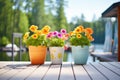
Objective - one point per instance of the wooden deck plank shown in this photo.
(111, 67)
(39, 73)
(115, 64)
(9, 74)
(80, 73)
(4, 70)
(106, 72)
(66, 72)
(53, 73)
(7, 66)
(15, 68)
(93, 73)
(24, 73)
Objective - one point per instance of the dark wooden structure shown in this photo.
(17, 35)
(114, 11)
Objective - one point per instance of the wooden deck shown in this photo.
(66, 71)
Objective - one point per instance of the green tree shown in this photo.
(28, 9)
(50, 18)
(20, 19)
(24, 23)
(61, 21)
(5, 18)
(38, 13)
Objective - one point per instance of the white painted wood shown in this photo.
(53, 73)
(115, 64)
(66, 72)
(39, 72)
(80, 73)
(111, 67)
(4, 70)
(9, 74)
(24, 73)
(106, 72)
(93, 73)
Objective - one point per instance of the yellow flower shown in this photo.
(35, 36)
(26, 35)
(78, 30)
(59, 55)
(78, 36)
(46, 27)
(33, 28)
(38, 32)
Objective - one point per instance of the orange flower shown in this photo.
(90, 38)
(78, 36)
(34, 36)
(82, 28)
(88, 31)
(45, 31)
(33, 28)
(71, 33)
(65, 37)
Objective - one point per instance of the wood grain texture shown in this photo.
(66, 71)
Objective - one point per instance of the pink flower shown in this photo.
(51, 33)
(59, 35)
(48, 36)
(55, 33)
(63, 31)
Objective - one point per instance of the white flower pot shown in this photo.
(80, 54)
(56, 54)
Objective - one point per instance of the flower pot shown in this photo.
(80, 54)
(56, 54)
(37, 54)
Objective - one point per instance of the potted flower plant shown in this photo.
(80, 39)
(56, 41)
(36, 41)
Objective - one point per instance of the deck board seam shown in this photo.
(46, 72)
(110, 69)
(114, 65)
(87, 73)
(32, 72)
(73, 71)
(60, 72)
(99, 71)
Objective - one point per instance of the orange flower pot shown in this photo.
(37, 54)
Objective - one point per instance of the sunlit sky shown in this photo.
(87, 7)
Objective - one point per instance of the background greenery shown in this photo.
(18, 15)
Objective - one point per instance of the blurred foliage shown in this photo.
(18, 15)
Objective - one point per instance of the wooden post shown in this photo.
(17, 35)
(118, 15)
(12, 47)
(20, 46)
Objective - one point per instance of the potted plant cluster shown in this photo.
(80, 39)
(36, 41)
(56, 41)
